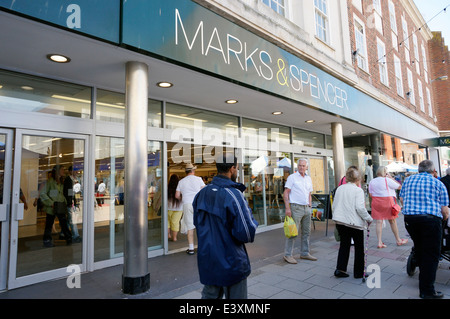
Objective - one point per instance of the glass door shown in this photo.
(47, 232)
(6, 138)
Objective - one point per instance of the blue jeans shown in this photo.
(426, 233)
(302, 217)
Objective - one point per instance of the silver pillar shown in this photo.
(136, 277)
(338, 151)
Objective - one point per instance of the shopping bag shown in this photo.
(290, 229)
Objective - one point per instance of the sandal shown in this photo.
(382, 246)
(404, 241)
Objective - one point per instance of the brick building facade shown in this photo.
(439, 56)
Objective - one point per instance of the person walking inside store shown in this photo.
(68, 190)
(351, 218)
(175, 208)
(297, 199)
(186, 190)
(425, 205)
(54, 205)
(224, 223)
(382, 191)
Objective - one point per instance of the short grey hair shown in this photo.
(426, 166)
(381, 171)
(303, 160)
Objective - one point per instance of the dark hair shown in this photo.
(225, 162)
(171, 189)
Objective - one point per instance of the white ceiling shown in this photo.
(25, 45)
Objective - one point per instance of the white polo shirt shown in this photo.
(301, 187)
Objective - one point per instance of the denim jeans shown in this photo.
(426, 233)
(302, 217)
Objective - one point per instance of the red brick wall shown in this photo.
(440, 56)
(373, 75)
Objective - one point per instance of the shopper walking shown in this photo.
(224, 223)
(382, 191)
(425, 205)
(175, 208)
(297, 199)
(351, 218)
(186, 190)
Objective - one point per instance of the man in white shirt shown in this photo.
(186, 190)
(297, 199)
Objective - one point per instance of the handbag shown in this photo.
(290, 229)
(395, 207)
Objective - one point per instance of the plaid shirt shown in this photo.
(423, 194)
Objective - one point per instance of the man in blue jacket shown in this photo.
(224, 223)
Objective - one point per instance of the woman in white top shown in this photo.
(351, 218)
(382, 192)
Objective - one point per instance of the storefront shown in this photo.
(74, 115)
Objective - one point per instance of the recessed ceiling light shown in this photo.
(353, 133)
(231, 101)
(164, 84)
(310, 121)
(27, 88)
(58, 58)
(277, 113)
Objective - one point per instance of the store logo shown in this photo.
(74, 279)
(253, 60)
(216, 141)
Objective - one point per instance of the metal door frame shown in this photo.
(5, 207)
(17, 212)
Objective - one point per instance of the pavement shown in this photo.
(175, 276)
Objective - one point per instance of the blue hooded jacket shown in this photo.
(224, 222)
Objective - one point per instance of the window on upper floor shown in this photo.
(322, 23)
(398, 75)
(421, 102)
(279, 6)
(377, 14)
(430, 109)
(416, 53)
(361, 47)
(393, 21)
(410, 93)
(382, 62)
(424, 61)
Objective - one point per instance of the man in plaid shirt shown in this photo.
(425, 205)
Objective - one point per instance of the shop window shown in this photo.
(187, 122)
(110, 107)
(24, 93)
(264, 134)
(109, 193)
(308, 139)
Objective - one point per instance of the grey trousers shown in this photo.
(302, 217)
(236, 291)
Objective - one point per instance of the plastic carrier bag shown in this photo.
(290, 229)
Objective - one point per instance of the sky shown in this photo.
(429, 9)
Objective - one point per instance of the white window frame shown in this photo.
(322, 22)
(392, 17)
(361, 55)
(416, 53)
(382, 65)
(405, 33)
(378, 15)
(420, 89)
(277, 6)
(424, 61)
(430, 108)
(412, 98)
(398, 75)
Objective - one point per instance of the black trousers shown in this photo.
(426, 233)
(347, 234)
(50, 219)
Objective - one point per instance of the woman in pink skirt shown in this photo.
(382, 190)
